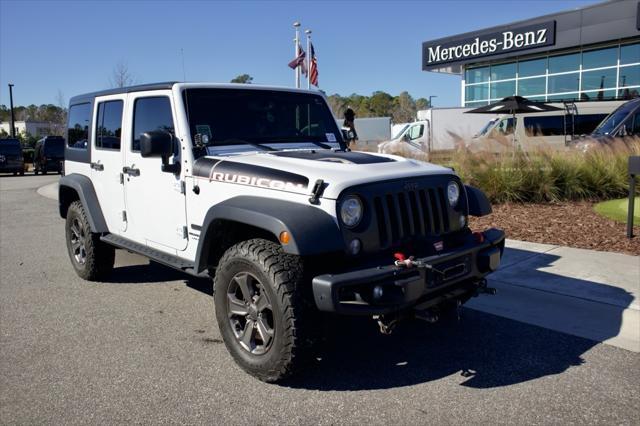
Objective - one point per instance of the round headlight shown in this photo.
(453, 193)
(351, 211)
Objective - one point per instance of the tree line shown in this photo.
(401, 108)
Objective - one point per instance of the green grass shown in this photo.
(617, 210)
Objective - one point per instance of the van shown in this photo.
(11, 158)
(556, 129)
(48, 155)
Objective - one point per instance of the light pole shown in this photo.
(430, 103)
(13, 119)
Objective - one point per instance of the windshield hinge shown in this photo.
(316, 192)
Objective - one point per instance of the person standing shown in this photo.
(349, 119)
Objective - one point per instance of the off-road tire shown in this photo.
(100, 256)
(281, 277)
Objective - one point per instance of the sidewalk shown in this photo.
(585, 293)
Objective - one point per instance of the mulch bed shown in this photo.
(572, 224)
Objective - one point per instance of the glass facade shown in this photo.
(591, 74)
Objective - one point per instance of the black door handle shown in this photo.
(131, 171)
(97, 166)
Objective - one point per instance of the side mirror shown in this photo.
(158, 143)
(406, 137)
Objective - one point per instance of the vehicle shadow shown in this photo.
(482, 350)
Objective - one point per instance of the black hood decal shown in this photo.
(248, 174)
(345, 157)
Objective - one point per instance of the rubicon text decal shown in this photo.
(445, 51)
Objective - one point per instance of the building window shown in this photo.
(503, 71)
(477, 75)
(503, 89)
(600, 58)
(605, 73)
(564, 83)
(599, 79)
(477, 92)
(630, 54)
(532, 67)
(532, 86)
(564, 63)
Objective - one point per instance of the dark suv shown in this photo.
(49, 155)
(11, 159)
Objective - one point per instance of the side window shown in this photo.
(151, 114)
(78, 128)
(109, 125)
(416, 131)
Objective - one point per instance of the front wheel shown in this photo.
(259, 308)
(91, 258)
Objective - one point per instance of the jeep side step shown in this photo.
(169, 260)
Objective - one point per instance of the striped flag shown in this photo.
(298, 61)
(313, 67)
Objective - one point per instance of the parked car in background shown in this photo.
(557, 129)
(623, 122)
(11, 158)
(49, 155)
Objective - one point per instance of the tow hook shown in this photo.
(484, 289)
(386, 325)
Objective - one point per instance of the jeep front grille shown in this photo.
(405, 215)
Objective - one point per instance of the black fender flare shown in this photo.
(82, 186)
(478, 202)
(312, 231)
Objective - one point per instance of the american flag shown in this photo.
(298, 61)
(313, 67)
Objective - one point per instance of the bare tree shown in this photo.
(60, 123)
(121, 76)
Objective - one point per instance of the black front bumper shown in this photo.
(385, 289)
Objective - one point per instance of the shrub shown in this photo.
(547, 175)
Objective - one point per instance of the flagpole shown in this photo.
(296, 42)
(308, 33)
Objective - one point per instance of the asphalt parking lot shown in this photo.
(145, 348)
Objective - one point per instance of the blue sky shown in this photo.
(362, 46)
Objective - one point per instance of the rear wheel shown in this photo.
(91, 258)
(259, 308)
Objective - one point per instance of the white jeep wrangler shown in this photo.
(255, 187)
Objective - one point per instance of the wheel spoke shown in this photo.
(237, 307)
(75, 245)
(262, 302)
(266, 333)
(245, 287)
(247, 334)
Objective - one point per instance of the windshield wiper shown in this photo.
(235, 141)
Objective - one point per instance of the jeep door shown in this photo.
(107, 159)
(155, 200)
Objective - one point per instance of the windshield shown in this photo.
(486, 127)
(10, 148)
(399, 133)
(610, 123)
(54, 147)
(219, 117)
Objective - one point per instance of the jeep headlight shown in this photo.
(351, 211)
(453, 193)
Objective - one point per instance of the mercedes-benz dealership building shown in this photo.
(591, 53)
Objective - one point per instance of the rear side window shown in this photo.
(10, 147)
(109, 126)
(585, 124)
(78, 129)
(550, 125)
(151, 114)
(54, 147)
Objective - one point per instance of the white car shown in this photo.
(255, 187)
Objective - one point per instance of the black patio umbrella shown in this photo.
(514, 105)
